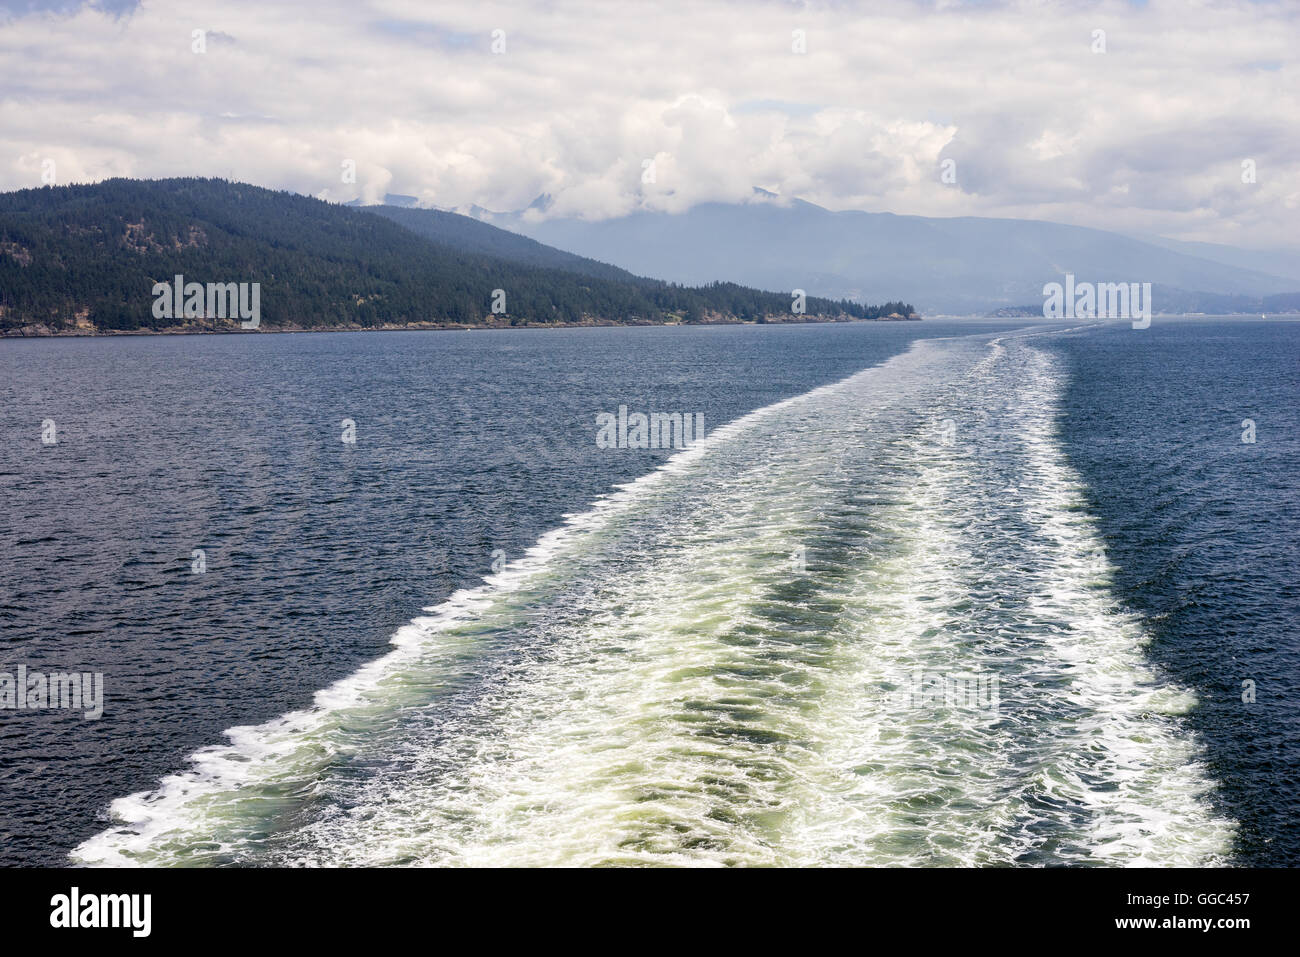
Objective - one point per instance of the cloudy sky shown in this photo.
(573, 97)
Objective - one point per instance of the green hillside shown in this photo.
(93, 254)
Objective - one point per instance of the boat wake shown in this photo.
(746, 657)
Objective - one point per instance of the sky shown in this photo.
(1172, 117)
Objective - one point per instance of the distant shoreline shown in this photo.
(27, 332)
(40, 331)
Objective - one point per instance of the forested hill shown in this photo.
(89, 256)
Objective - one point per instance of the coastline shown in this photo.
(231, 327)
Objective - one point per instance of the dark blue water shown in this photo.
(316, 550)
(470, 445)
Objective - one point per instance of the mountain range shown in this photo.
(964, 265)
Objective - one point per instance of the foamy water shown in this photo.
(709, 667)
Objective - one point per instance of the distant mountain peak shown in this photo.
(390, 199)
(542, 203)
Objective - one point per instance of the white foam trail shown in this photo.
(1156, 807)
(1082, 762)
(656, 682)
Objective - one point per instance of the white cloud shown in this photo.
(1148, 136)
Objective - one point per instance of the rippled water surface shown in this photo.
(706, 658)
